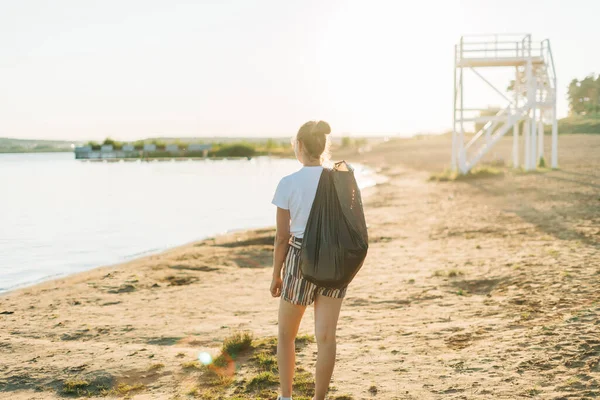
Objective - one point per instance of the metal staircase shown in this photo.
(533, 102)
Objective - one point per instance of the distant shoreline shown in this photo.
(36, 152)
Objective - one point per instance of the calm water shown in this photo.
(59, 216)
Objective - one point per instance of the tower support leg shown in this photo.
(515, 150)
(527, 137)
(540, 140)
(461, 139)
(453, 161)
(532, 147)
(554, 132)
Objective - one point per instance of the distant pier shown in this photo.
(149, 152)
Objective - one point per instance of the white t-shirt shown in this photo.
(296, 192)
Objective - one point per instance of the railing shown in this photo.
(549, 62)
(499, 46)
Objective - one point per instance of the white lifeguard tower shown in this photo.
(533, 102)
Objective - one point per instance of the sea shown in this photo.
(60, 216)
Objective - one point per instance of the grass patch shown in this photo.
(304, 383)
(537, 170)
(305, 339)
(215, 378)
(261, 381)
(533, 391)
(451, 273)
(588, 124)
(572, 381)
(194, 391)
(237, 343)
(192, 365)
(260, 378)
(542, 163)
(267, 344)
(548, 331)
(155, 367)
(92, 385)
(265, 361)
(475, 173)
(75, 386)
(444, 176)
(481, 172)
(232, 347)
(125, 389)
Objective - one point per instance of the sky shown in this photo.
(130, 69)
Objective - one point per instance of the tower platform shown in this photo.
(533, 102)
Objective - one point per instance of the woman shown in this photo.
(294, 197)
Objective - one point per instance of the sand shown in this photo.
(479, 289)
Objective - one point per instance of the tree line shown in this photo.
(240, 148)
(584, 96)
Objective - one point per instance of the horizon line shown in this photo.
(279, 136)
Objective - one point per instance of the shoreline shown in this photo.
(377, 178)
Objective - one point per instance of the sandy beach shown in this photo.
(477, 289)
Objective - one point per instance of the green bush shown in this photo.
(234, 150)
(542, 163)
(115, 144)
(160, 145)
(94, 145)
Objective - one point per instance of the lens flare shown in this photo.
(205, 358)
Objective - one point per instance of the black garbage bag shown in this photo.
(335, 240)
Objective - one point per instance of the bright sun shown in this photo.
(388, 64)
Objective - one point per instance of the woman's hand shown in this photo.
(276, 285)
(281, 246)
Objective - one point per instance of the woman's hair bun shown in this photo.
(322, 127)
(313, 135)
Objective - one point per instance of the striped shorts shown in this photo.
(296, 289)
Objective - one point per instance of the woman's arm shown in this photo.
(282, 237)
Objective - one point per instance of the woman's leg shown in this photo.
(290, 316)
(327, 311)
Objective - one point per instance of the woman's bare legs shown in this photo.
(327, 312)
(290, 316)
